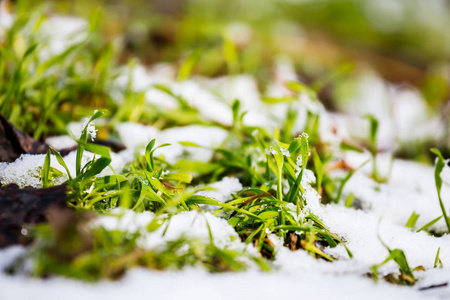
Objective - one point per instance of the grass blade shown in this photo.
(440, 164)
(429, 224)
(61, 161)
(412, 220)
(46, 170)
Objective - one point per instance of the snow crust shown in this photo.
(223, 189)
(26, 171)
(190, 225)
(196, 284)
(61, 142)
(137, 136)
(411, 188)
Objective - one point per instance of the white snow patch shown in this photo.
(222, 189)
(411, 188)
(197, 284)
(209, 105)
(61, 32)
(191, 225)
(134, 135)
(6, 18)
(27, 169)
(137, 136)
(125, 220)
(361, 230)
(207, 137)
(61, 142)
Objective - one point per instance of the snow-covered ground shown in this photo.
(197, 284)
(385, 207)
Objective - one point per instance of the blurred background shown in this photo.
(331, 44)
(403, 40)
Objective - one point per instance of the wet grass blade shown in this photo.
(99, 164)
(429, 224)
(189, 64)
(437, 260)
(61, 161)
(83, 141)
(46, 170)
(412, 220)
(318, 166)
(346, 179)
(440, 164)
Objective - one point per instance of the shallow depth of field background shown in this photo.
(330, 42)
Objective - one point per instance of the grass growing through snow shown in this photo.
(277, 170)
(440, 164)
(274, 202)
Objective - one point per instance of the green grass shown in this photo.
(255, 212)
(440, 164)
(42, 97)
